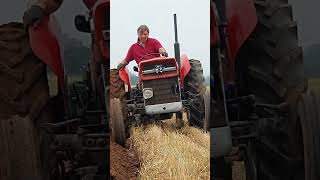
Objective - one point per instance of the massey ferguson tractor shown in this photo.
(262, 111)
(165, 86)
(63, 137)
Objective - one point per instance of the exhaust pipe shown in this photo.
(176, 43)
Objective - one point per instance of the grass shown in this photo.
(169, 153)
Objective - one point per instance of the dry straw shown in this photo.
(169, 153)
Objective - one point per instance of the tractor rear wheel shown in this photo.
(118, 129)
(194, 83)
(24, 96)
(270, 66)
(118, 111)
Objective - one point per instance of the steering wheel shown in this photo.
(151, 54)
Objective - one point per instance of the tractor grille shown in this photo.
(153, 69)
(165, 90)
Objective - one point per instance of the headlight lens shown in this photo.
(147, 93)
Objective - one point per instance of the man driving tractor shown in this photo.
(144, 47)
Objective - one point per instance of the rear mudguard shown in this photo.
(185, 68)
(241, 20)
(101, 20)
(46, 43)
(124, 76)
(214, 37)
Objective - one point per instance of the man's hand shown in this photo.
(120, 66)
(33, 14)
(163, 52)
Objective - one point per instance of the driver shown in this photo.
(142, 47)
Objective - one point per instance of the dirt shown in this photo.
(124, 164)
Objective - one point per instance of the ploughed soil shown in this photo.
(124, 164)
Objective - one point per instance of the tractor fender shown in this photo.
(124, 76)
(185, 66)
(46, 43)
(101, 14)
(214, 38)
(242, 20)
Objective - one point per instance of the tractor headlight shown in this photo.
(147, 93)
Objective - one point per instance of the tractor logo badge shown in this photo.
(158, 69)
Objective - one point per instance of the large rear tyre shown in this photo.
(195, 83)
(276, 77)
(117, 122)
(118, 110)
(24, 96)
(222, 170)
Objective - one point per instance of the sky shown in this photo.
(127, 15)
(307, 13)
(193, 27)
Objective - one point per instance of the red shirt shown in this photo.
(137, 51)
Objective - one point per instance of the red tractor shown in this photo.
(60, 137)
(165, 86)
(261, 111)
